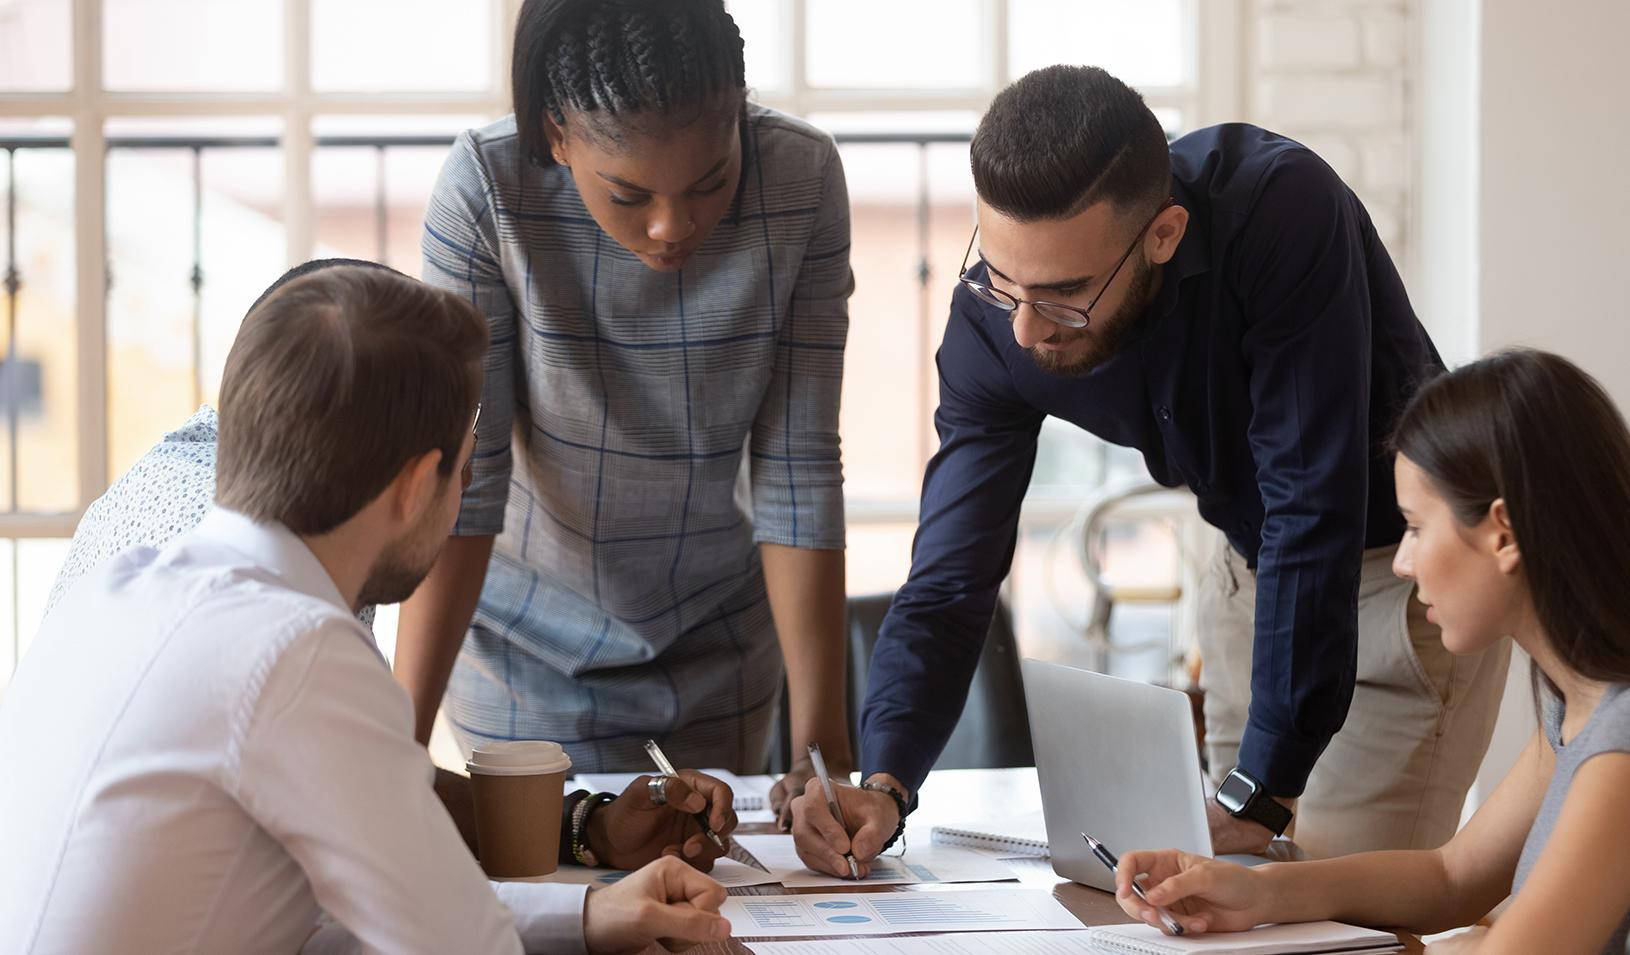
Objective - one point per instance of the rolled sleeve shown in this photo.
(929, 644)
(797, 467)
(1301, 274)
(459, 247)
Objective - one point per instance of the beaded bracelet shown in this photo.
(899, 803)
(580, 827)
(568, 809)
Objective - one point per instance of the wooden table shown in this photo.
(960, 796)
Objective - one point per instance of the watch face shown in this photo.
(1235, 792)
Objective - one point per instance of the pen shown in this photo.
(832, 802)
(1103, 854)
(667, 769)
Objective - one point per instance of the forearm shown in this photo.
(1409, 890)
(433, 621)
(1306, 592)
(806, 589)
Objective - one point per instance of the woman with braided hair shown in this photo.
(665, 270)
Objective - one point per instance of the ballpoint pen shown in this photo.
(1103, 854)
(732, 851)
(832, 802)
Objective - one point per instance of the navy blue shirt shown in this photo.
(1266, 376)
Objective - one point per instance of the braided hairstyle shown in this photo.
(621, 65)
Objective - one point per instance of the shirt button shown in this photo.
(1165, 413)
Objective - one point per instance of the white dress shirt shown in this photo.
(209, 749)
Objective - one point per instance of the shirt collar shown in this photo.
(1192, 258)
(274, 547)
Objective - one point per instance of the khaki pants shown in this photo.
(1396, 775)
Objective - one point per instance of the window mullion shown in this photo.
(996, 52)
(298, 201)
(797, 14)
(90, 249)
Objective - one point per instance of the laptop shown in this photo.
(1117, 759)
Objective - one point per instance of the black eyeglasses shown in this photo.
(1070, 316)
(468, 474)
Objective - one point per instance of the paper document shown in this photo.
(967, 943)
(929, 864)
(1305, 937)
(893, 913)
(726, 872)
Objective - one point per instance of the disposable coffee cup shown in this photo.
(518, 786)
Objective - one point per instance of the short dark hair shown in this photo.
(609, 58)
(1534, 429)
(337, 380)
(1065, 137)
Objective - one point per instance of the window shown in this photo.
(155, 176)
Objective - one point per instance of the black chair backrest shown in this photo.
(994, 731)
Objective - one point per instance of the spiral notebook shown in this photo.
(1021, 835)
(1302, 937)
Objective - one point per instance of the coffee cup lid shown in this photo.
(522, 757)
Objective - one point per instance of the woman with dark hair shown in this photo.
(665, 270)
(1514, 478)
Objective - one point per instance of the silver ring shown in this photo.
(658, 790)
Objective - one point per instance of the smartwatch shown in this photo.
(1242, 795)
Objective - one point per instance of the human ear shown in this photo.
(1503, 538)
(555, 131)
(1166, 233)
(415, 486)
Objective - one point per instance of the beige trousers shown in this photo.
(1396, 775)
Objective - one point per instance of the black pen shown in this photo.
(1103, 854)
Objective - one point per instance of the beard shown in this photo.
(1105, 337)
(398, 572)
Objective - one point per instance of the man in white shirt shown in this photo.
(167, 492)
(211, 747)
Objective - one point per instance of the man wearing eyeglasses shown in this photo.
(1223, 305)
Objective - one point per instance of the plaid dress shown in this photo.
(625, 598)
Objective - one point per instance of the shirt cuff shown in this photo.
(899, 756)
(1281, 763)
(548, 917)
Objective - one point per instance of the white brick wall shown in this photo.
(1336, 76)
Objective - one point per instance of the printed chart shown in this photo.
(893, 913)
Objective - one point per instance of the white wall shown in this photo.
(1554, 230)
(1445, 288)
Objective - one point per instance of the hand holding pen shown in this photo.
(658, 789)
(1102, 853)
(832, 803)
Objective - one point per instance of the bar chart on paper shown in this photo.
(893, 913)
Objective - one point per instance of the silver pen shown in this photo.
(832, 802)
(1103, 855)
(733, 851)
(667, 769)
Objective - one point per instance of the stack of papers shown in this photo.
(726, 872)
(933, 864)
(893, 913)
(1304, 937)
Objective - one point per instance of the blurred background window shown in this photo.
(161, 161)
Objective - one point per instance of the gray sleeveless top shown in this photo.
(1607, 731)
